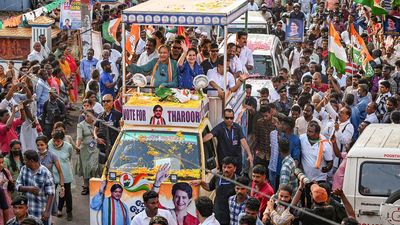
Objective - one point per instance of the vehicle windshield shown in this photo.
(141, 152)
(379, 179)
(263, 66)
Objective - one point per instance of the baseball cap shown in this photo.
(20, 200)
(319, 194)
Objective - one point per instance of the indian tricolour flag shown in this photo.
(337, 53)
(110, 29)
(359, 52)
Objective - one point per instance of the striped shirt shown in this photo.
(235, 209)
(287, 175)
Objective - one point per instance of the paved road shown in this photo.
(80, 202)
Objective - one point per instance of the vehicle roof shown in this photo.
(254, 17)
(188, 12)
(258, 43)
(378, 141)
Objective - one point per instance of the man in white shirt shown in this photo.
(303, 121)
(140, 46)
(149, 54)
(246, 55)
(205, 211)
(315, 168)
(251, 6)
(45, 51)
(371, 113)
(35, 54)
(216, 78)
(151, 210)
(114, 54)
(236, 66)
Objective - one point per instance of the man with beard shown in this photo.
(151, 203)
(246, 55)
(237, 203)
(204, 52)
(113, 210)
(210, 63)
(106, 79)
(353, 89)
(176, 49)
(260, 187)
(278, 212)
(316, 163)
(150, 52)
(236, 66)
(157, 119)
(279, 32)
(224, 187)
(302, 122)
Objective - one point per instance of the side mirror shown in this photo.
(211, 163)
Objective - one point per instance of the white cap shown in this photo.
(197, 31)
(204, 33)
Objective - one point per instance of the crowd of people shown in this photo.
(289, 168)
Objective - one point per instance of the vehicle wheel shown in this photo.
(394, 198)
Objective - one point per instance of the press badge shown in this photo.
(234, 142)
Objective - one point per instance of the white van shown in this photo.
(256, 23)
(372, 177)
(268, 59)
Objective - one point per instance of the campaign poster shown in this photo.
(391, 26)
(86, 29)
(294, 30)
(71, 18)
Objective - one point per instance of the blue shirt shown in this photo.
(104, 78)
(86, 68)
(295, 149)
(355, 120)
(186, 74)
(42, 94)
(362, 107)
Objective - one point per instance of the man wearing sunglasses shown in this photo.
(105, 132)
(230, 140)
(211, 62)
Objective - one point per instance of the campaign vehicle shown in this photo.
(372, 177)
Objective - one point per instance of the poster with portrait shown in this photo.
(71, 18)
(86, 29)
(391, 26)
(294, 30)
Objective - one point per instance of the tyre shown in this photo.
(395, 196)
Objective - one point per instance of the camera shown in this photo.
(300, 175)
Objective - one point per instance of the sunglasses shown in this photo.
(228, 118)
(106, 101)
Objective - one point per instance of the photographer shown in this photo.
(320, 206)
(277, 213)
